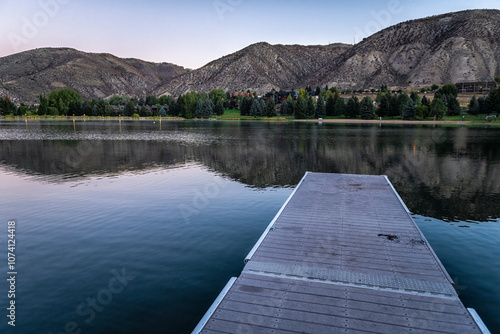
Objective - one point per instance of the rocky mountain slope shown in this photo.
(454, 47)
(25, 75)
(259, 67)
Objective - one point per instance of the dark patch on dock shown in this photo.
(390, 237)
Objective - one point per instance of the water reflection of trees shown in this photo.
(443, 173)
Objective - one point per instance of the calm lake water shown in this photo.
(135, 227)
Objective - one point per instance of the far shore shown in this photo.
(386, 121)
(330, 121)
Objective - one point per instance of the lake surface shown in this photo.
(136, 226)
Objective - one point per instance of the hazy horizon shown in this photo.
(171, 32)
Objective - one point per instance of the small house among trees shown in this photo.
(476, 87)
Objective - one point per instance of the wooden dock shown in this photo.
(343, 255)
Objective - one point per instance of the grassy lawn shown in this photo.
(234, 114)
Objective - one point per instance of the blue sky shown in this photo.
(193, 33)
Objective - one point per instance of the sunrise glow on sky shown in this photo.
(193, 33)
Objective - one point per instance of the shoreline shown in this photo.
(395, 121)
(330, 121)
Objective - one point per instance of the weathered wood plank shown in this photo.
(344, 256)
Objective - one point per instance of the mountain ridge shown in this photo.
(27, 74)
(452, 47)
(419, 48)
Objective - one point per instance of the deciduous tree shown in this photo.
(217, 95)
(61, 99)
(129, 109)
(448, 90)
(151, 100)
(438, 108)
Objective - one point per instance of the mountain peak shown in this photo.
(25, 75)
(452, 47)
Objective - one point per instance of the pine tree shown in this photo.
(310, 108)
(367, 109)
(284, 108)
(494, 99)
(262, 108)
(384, 106)
(330, 106)
(129, 109)
(255, 109)
(425, 101)
(301, 108)
(401, 102)
(453, 107)
(481, 102)
(245, 106)
(219, 108)
(352, 108)
(320, 108)
(340, 107)
(271, 108)
(291, 105)
(474, 106)
(416, 98)
(287, 106)
(410, 110)
(43, 108)
(208, 108)
(444, 98)
(199, 109)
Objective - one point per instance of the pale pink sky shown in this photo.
(193, 33)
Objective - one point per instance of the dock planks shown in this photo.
(343, 255)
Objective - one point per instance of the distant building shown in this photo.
(476, 87)
(236, 94)
(281, 96)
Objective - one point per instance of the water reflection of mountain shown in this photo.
(443, 173)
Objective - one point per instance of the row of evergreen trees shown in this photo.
(257, 107)
(67, 102)
(201, 105)
(486, 105)
(387, 105)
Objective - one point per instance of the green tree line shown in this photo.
(311, 103)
